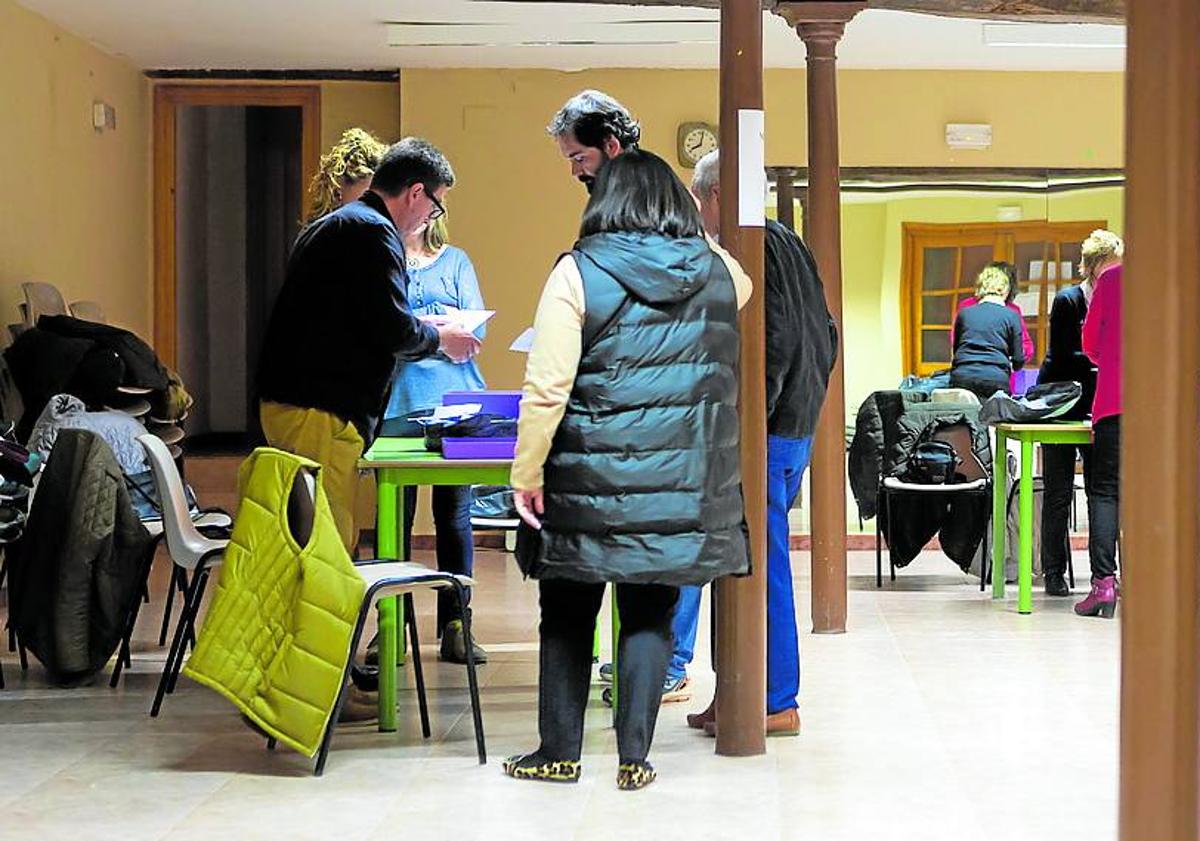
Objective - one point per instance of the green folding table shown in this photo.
(1073, 432)
(399, 463)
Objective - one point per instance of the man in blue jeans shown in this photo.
(801, 349)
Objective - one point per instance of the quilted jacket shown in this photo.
(80, 564)
(276, 639)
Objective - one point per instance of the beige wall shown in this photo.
(516, 207)
(374, 106)
(77, 203)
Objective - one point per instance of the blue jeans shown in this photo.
(787, 459)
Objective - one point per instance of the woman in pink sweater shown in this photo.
(1102, 344)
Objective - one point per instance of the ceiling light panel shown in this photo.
(617, 33)
(1054, 35)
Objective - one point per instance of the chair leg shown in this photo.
(891, 560)
(323, 751)
(170, 603)
(472, 680)
(193, 611)
(410, 617)
(176, 647)
(986, 557)
(878, 553)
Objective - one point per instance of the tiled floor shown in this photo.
(940, 715)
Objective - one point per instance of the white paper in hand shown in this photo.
(524, 342)
(469, 320)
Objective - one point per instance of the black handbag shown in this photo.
(530, 551)
(933, 463)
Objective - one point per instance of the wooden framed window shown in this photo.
(940, 263)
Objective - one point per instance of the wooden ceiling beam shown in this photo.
(1052, 11)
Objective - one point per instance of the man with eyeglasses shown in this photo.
(592, 128)
(342, 321)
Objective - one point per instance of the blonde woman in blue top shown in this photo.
(440, 277)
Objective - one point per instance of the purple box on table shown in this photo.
(506, 404)
(478, 448)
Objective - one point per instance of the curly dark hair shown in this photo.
(593, 117)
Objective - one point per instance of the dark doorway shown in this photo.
(238, 205)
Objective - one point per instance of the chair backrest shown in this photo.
(958, 436)
(184, 540)
(88, 311)
(43, 299)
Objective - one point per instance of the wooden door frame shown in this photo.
(167, 101)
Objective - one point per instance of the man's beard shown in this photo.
(588, 181)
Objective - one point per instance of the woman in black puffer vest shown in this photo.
(627, 458)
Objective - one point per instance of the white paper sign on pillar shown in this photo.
(752, 169)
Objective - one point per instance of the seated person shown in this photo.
(987, 338)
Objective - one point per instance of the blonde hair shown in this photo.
(993, 280)
(1100, 247)
(435, 235)
(353, 158)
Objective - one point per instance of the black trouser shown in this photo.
(455, 542)
(1104, 497)
(981, 384)
(569, 610)
(1058, 474)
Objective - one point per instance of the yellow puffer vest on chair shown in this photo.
(277, 636)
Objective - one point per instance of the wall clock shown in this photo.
(694, 141)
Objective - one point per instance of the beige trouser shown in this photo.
(329, 441)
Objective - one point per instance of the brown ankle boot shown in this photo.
(782, 723)
(697, 721)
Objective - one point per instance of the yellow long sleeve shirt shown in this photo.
(554, 360)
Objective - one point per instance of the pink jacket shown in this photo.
(1102, 343)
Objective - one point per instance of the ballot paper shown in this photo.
(458, 411)
(524, 342)
(469, 320)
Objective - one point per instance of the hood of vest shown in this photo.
(652, 268)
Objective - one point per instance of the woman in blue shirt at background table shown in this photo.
(440, 277)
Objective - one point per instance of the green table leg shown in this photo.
(999, 513)
(388, 547)
(1025, 549)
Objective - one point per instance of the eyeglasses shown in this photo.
(439, 210)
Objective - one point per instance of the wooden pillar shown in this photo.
(1160, 489)
(741, 602)
(821, 25)
(785, 200)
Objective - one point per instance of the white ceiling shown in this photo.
(355, 34)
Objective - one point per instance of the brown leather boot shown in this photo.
(782, 723)
(698, 721)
